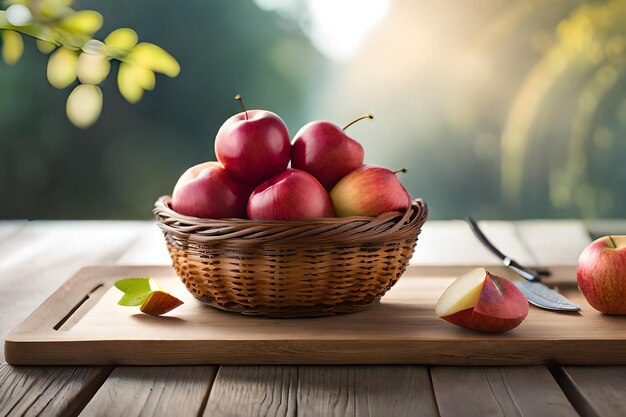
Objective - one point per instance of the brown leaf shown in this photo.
(159, 302)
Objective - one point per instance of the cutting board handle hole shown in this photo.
(83, 305)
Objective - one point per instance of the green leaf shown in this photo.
(84, 105)
(155, 58)
(92, 69)
(84, 21)
(54, 8)
(132, 80)
(62, 67)
(123, 38)
(145, 78)
(136, 291)
(12, 46)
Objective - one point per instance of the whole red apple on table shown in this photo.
(369, 191)
(208, 191)
(482, 301)
(291, 195)
(253, 145)
(324, 150)
(601, 274)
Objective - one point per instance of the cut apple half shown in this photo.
(482, 301)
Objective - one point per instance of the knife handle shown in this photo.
(519, 269)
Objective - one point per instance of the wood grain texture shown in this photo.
(253, 391)
(304, 391)
(50, 255)
(36, 257)
(153, 391)
(47, 391)
(42, 255)
(595, 391)
(499, 391)
(401, 329)
(365, 391)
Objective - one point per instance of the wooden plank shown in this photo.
(595, 390)
(153, 391)
(553, 242)
(35, 260)
(47, 391)
(452, 242)
(321, 391)
(365, 391)
(498, 391)
(253, 391)
(44, 254)
(402, 328)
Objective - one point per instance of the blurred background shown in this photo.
(500, 109)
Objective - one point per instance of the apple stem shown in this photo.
(613, 242)
(365, 116)
(402, 170)
(239, 99)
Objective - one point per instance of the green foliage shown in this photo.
(67, 35)
(135, 153)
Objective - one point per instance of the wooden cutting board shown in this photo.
(81, 324)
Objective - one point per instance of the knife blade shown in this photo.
(542, 296)
(533, 289)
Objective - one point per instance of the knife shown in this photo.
(535, 291)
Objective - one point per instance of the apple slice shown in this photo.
(482, 301)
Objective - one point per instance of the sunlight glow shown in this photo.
(339, 28)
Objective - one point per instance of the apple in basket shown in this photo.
(369, 191)
(253, 145)
(207, 190)
(482, 301)
(291, 195)
(324, 150)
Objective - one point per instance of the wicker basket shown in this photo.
(291, 269)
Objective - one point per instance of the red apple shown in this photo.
(253, 145)
(369, 191)
(323, 150)
(482, 301)
(601, 274)
(292, 195)
(207, 190)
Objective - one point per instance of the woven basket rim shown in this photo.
(163, 204)
(329, 229)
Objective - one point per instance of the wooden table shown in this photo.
(36, 257)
